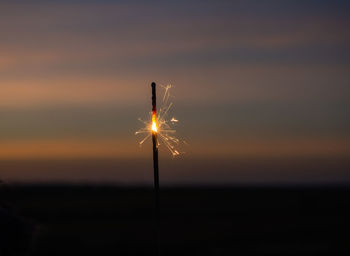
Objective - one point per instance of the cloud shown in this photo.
(51, 52)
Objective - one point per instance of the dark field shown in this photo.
(107, 220)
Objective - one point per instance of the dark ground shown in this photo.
(107, 220)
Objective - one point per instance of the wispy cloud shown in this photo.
(293, 57)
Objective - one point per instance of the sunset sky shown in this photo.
(261, 89)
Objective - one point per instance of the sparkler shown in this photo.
(161, 124)
(155, 162)
(160, 127)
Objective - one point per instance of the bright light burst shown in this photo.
(162, 124)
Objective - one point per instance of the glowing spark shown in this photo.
(162, 125)
(154, 122)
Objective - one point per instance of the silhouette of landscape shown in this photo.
(112, 220)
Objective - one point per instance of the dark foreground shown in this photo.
(102, 220)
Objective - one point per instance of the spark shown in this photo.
(162, 124)
(154, 122)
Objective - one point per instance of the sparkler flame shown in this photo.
(154, 122)
(162, 125)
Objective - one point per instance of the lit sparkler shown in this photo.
(162, 124)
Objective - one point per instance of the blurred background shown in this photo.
(253, 80)
(261, 89)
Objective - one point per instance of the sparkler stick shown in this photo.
(162, 129)
(155, 165)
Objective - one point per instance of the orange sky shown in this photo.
(250, 79)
